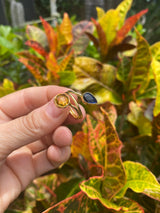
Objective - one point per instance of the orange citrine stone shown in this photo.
(62, 100)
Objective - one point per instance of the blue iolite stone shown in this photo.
(89, 98)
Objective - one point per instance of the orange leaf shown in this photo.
(34, 68)
(66, 61)
(51, 35)
(66, 29)
(52, 65)
(129, 24)
(37, 47)
(80, 146)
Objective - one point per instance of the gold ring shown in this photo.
(62, 100)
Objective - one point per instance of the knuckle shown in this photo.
(31, 124)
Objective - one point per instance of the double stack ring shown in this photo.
(63, 100)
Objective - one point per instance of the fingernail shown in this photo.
(54, 111)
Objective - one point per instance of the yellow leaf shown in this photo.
(123, 8)
(100, 12)
(66, 29)
(156, 69)
(109, 23)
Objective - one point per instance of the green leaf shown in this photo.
(137, 118)
(123, 8)
(140, 180)
(68, 189)
(6, 44)
(66, 77)
(150, 91)
(92, 188)
(139, 75)
(123, 69)
(129, 206)
(77, 202)
(95, 77)
(5, 30)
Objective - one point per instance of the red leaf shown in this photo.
(37, 47)
(102, 38)
(51, 35)
(129, 24)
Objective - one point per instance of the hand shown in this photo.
(33, 138)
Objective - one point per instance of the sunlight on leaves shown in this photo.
(140, 180)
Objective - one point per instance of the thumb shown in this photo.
(31, 127)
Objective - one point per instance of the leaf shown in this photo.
(35, 68)
(137, 118)
(37, 47)
(5, 31)
(155, 51)
(51, 35)
(68, 189)
(101, 38)
(150, 91)
(139, 75)
(66, 29)
(80, 145)
(66, 60)
(52, 65)
(66, 77)
(92, 76)
(77, 202)
(123, 8)
(80, 38)
(128, 25)
(36, 34)
(6, 88)
(97, 141)
(129, 206)
(100, 12)
(140, 180)
(156, 69)
(111, 20)
(92, 188)
(112, 180)
(156, 128)
(123, 69)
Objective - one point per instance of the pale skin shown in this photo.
(33, 138)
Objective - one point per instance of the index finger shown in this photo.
(24, 101)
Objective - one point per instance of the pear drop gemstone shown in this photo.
(62, 100)
(89, 98)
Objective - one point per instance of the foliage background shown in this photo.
(100, 170)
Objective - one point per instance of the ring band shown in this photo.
(62, 100)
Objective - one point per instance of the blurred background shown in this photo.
(18, 12)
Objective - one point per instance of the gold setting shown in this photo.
(63, 100)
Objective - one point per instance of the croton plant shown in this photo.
(115, 162)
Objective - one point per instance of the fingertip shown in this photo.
(62, 136)
(58, 155)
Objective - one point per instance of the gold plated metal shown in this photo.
(63, 100)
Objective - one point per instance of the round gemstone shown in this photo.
(62, 100)
(89, 98)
